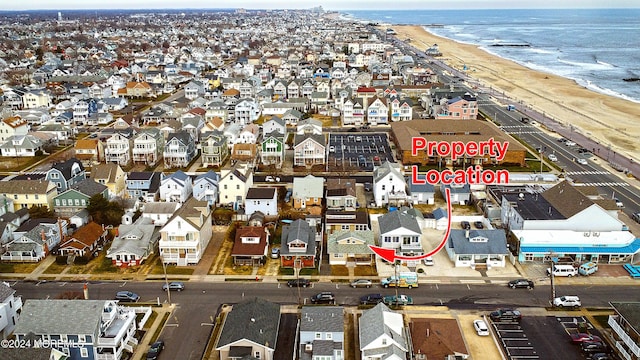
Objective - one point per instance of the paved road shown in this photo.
(188, 329)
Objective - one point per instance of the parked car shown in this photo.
(275, 252)
(367, 187)
(481, 327)
(173, 286)
(127, 296)
(301, 282)
(465, 225)
(636, 217)
(593, 347)
(505, 315)
(287, 196)
(601, 356)
(155, 350)
(553, 157)
(569, 143)
(521, 283)
(567, 301)
(400, 300)
(428, 261)
(324, 297)
(618, 203)
(361, 283)
(582, 161)
(478, 224)
(371, 299)
(582, 337)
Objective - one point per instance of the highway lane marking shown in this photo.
(623, 184)
(123, 284)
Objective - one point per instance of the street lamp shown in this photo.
(166, 280)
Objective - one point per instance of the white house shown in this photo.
(176, 187)
(134, 243)
(400, 230)
(234, 184)
(14, 125)
(118, 149)
(159, 212)
(185, 236)
(205, 187)
(382, 334)
(261, 199)
(10, 308)
(389, 186)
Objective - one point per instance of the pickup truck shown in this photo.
(402, 300)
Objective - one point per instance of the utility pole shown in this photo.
(396, 264)
(553, 287)
(166, 281)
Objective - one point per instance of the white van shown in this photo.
(563, 270)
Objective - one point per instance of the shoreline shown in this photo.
(611, 120)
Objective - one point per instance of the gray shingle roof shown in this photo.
(60, 316)
(322, 318)
(366, 236)
(398, 219)
(385, 169)
(256, 320)
(89, 187)
(133, 239)
(25, 353)
(298, 230)
(496, 242)
(373, 325)
(5, 291)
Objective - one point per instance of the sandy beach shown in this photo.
(611, 121)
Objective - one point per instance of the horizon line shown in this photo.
(312, 8)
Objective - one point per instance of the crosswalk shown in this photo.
(587, 172)
(603, 184)
(522, 132)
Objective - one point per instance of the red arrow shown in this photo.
(390, 254)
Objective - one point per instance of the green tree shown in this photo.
(105, 212)
(41, 211)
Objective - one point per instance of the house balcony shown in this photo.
(625, 345)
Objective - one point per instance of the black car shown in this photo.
(371, 299)
(478, 225)
(505, 315)
(465, 225)
(302, 282)
(521, 283)
(593, 347)
(155, 350)
(324, 297)
(601, 356)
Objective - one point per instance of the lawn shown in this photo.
(18, 268)
(55, 269)
(171, 269)
(339, 270)
(365, 271)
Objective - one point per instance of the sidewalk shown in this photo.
(143, 346)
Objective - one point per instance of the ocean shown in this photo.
(597, 48)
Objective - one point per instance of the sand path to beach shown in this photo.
(611, 121)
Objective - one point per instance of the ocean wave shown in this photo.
(593, 87)
(587, 66)
(543, 51)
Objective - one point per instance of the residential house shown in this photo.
(458, 108)
(341, 194)
(244, 153)
(353, 112)
(401, 108)
(400, 230)
(321, 333)
(180, 149)
(136, 90)
(308, 193)
(84, 241)
(309, 127)
(91, 329)
(133, 244)
(184, 238)
(346, 220)
(246, 111)
(194, 89)
(29, 193)
(625, 329)
(460, 193)
(350, 247)
(14, 125)
(193, 123)
(176, 187)
(118, 149)
(67, 173)
(89, 151)
(249, 134)
(251, 246)
(389, 186)
(159, 212)
(110, 175)
(298, 245)
(382, 334)
(261, 199)
(274, 124)
(214, 149)
(234, 185)
(206, 187)
(148, 146)
(421, 193)
(272, 149)
(377, 111)
(434, 338)
(10, 309)
(37, 98)
(309, 150)
(477, 248)
(250, 331)
(76, 198)
(21, 146)
(34, 244)
(143, 185)
(292, 116)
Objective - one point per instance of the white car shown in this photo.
(481, 327)
(570, 143)
(583, 161)
(553, 157)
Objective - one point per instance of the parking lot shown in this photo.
(357, 151)
(542, 337)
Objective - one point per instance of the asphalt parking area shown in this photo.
(357, 151)
(514, 341)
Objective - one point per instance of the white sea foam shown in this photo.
(587, 66)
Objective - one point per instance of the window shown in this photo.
(318, 336)
(384, 341)
(238, 187)
(329, 336)
(84, 353)
(256, 354)
(57, 202)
